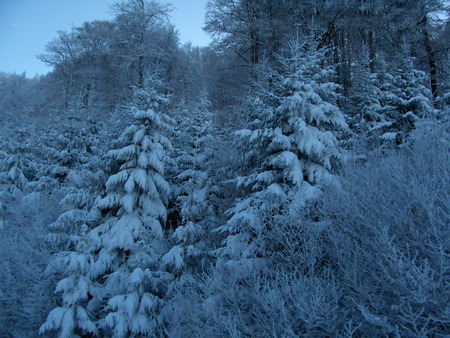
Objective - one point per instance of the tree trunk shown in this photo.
(87, 95)
(431, 59)
(140, 69)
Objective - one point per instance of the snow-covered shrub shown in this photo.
(270, 303)
(26, 292)
(389, 237)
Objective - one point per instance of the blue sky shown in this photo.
(26, 26)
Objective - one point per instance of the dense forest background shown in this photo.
(291, 179)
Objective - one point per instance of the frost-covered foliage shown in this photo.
(359, 261)
(111, 283)
(291, 144)
(388, 237)
(25, 291)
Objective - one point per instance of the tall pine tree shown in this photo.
(112, 282)
(292, 130)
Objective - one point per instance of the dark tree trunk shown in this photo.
(86, 96)
(140, 70)
(371, 52)
(431, 60)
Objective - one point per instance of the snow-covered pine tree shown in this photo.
(72, 263)
(292, 131)
(404, 98)
(415, 98)
(193, 136)
(12, 182)
(85, 185)
(112, 284)
(131, 239)
(12, 178)
(83, 181)
(364, 108)
(191, 194)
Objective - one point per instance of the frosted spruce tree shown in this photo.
(364, 107)
(84, 186)
(12, 183)
(12, 177)
(189, 240)
(112, 284)
(404, 99)
(291, 133)
(192, 185)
